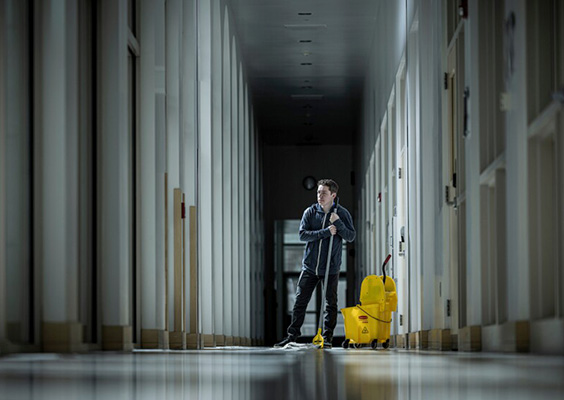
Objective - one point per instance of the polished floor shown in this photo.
(265, 373)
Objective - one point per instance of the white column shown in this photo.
(235, 187)
(472, 174)
(189, 141)
(227, 185)
(173, 52)
(205, 171)
(16, 201)
(241, 201)
(247, 236)
(3, 94)
(113, 177)
(260, 237)
(160, 159)
(217, 173)
(58, 163)
(152, 306)
(255, 300)
(414, 150)
(517, 166)
(431, 124)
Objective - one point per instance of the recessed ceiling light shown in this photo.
(305, 26)
(307, 97)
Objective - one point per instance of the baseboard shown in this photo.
(229, 340)
(419, 340)
(62, 337)
(413, 340)
(192, 341)
(13, 329)
(470, 338)
(402, 341)
(7, 347)
(154, 339)
(117, 338)
(547, 336)
(454, 341)
(177, 340)
(220, 340)
(209, 340)
(440, 339)
(424, 338)
(508, 337)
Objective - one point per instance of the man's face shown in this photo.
(324, 196)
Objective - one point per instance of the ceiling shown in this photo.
(316, 103)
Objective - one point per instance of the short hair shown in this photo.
(333, 187)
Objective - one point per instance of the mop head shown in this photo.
(299, 346)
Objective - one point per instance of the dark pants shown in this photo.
(306, 285)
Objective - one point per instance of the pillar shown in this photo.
(113, 178)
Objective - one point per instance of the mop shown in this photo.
(318, 339)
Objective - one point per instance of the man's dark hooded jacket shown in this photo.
(314, 229)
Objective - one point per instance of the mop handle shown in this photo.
(384, 266)
(326, 279)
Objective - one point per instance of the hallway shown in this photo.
(241, 373)
(157, 156)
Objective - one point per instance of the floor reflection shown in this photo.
(262, 373)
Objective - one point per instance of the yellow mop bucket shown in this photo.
(369, 323)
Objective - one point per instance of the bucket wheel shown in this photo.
(374, 344)
(386, 344)
(346, 343)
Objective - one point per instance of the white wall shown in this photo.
(196, 127)
(429, 273)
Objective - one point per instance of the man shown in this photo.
(316, 228)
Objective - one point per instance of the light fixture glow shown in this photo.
(307, 97)
(305, 26)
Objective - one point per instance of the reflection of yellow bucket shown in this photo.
(369, 323)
